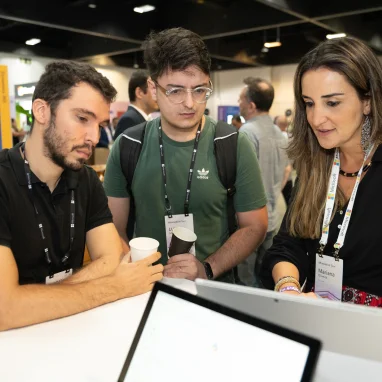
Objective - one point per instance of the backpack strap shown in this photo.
(130, 146)
(225, 143)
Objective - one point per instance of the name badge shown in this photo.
(58, 277)
(328, 279)
(179, 221)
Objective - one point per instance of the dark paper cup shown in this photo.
(181, 242)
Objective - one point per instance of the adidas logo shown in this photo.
(203, 174)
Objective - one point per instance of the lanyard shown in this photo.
(190, 172)
(331, 196)
(72, 212)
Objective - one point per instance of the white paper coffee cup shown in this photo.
(142, 247)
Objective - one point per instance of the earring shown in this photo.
(366, 134)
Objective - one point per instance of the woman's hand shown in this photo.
(294, 293)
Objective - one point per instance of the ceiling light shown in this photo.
(92, 5)
(273, 44)
(33, 41)
(336, 35)
(144, 8)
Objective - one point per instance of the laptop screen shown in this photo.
(185, 341)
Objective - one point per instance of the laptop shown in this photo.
(343, 328)
(183, 337)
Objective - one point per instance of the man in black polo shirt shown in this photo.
(51, 205)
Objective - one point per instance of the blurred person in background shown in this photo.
(330, 239)
(113, 125)
(106, 137)
(255, 100)
(283, 123)
(141, 104)
(236, 121)
(17, 135)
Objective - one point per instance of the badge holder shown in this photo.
(329, 275)
(58, 277)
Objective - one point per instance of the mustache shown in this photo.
(85, 146)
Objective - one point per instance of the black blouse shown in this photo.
(362, 250)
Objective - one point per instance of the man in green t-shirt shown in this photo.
(179, 66)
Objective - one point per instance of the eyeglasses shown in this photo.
(179, 95)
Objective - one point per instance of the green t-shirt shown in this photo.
(208, 198)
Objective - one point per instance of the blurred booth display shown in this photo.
(5, 117)
(100, 155)
(225, 113)
(25, 90)
(23, 100)
(100, 170)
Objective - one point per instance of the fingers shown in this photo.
(156, 277)
(187, 271)
(152, 258)
(181, 264)
(157, 269)
(178, 275)
(309, 295)
(126, 258)
(183, 257)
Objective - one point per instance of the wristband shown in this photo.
(208, 270)
(286, 280)
(289, 288)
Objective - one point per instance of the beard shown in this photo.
(56, 149)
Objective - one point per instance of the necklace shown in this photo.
(354, 174)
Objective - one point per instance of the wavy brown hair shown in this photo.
(361, 68)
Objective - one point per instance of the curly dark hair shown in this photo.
(175, 49)
(60, 77)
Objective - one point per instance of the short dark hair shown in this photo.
(237, 118)
(175, 49)
(138, 80)
(61, 77)
(262, 96)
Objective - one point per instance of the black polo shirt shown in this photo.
(18, 224)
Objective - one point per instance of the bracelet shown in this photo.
(290, 288)
(285, 280)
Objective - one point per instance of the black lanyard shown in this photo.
(190, 172)
(48, 258)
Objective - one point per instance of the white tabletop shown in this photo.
(92, 346)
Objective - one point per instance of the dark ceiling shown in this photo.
(235, 31)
